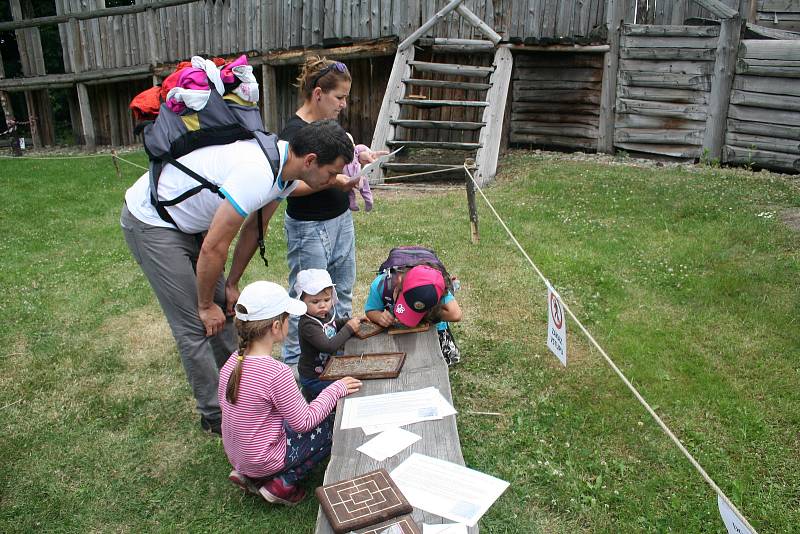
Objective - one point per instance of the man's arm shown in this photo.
(245, 248)
(211, 263)
(343, 182)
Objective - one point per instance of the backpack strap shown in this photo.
(269, 145)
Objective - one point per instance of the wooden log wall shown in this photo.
(223, 28)
(782, 14)
(675, 12)
(556, 100)
(764, 113)
(662, 94)
(112, 118)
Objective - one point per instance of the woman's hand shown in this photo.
(351, 384)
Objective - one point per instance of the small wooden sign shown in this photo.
(362, 501)
(399, 328)
(364, 366)
(369, 329)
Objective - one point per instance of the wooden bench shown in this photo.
(424, 367)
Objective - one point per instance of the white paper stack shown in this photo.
(388, 443)
(446, 489)
(376, 413)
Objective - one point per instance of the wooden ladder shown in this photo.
(406, 116)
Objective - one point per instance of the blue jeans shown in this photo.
(329, 245)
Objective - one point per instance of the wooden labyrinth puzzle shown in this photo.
(400, 328)
(405, 523)
(362, 501)
(368, 329)
(364, 366)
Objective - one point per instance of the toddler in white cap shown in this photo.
(321, 333)
(271, 436)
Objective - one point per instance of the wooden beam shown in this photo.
(447, 84)
(437, 125)
(376, 48)
(591, 49)
(87, 124)
(94, 14)
(721, 83)
(489, 138)
(430, 23)
(68, 80)
(438, 103)
(718, 8)
(476, 21)
(269, 105)
(608, 93)
(448, 68)
(446, 145)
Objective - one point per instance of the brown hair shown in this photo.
(309, 77)
(248, 331)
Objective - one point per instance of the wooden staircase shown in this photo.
(439, 132)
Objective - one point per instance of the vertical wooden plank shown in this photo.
(679, 12)
(329, 19)
(486, 157)
(113, 117)
(385, 28)
(563, 18)
(347, 25)
(608, 93)
(549, 18)
(63, 33)
(269, 106)
(719, 98)
(375, 19)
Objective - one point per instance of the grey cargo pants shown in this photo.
(168, 259)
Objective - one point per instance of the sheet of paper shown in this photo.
(447, 528)
(395, 409)
(388, 443)
(368, 168)
(446, 489)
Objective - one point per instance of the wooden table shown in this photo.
(424, 367)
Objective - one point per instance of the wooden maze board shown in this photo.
(364, 366)
(405, 523)
(399, 328)
(368, 330)
(362, 501)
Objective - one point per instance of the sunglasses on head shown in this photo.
(338, 66)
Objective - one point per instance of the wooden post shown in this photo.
(269, 109)
(116, 163)
(720, 95)
(152, 42)
(76, 57)
(5, 101)
(473, 208)
(608, 94)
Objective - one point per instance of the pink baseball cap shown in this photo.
(423, 287)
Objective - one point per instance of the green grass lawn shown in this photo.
(688, 279)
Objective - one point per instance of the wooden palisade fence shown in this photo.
(665, 77)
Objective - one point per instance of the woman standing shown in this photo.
(319, 225)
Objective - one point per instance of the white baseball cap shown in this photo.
(265, 300)
(312, 281)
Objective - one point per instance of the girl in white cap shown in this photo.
(321, 332)
(272, 437)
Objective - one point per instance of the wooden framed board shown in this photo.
(369, 329)
(364, 366)
(362, 501)
(406, 524)
(398, 328)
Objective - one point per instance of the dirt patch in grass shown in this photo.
(791, 218)
(143, 333)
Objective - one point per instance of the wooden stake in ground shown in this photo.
(473, 208)
(116, 163)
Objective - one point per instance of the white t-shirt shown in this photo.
(240, 169)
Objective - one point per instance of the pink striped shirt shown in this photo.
(252, 429)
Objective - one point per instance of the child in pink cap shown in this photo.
(418, 293)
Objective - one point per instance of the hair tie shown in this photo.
(240, 358)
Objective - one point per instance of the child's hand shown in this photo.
(385, 319)
(354, 324)
(351, 384)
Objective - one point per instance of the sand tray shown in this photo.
(368, 330)
(399, 328)
(364, 366)
(362, 501)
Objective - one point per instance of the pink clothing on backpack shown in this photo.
(192, 85)
(227, 70)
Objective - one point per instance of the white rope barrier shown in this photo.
(642, 401)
